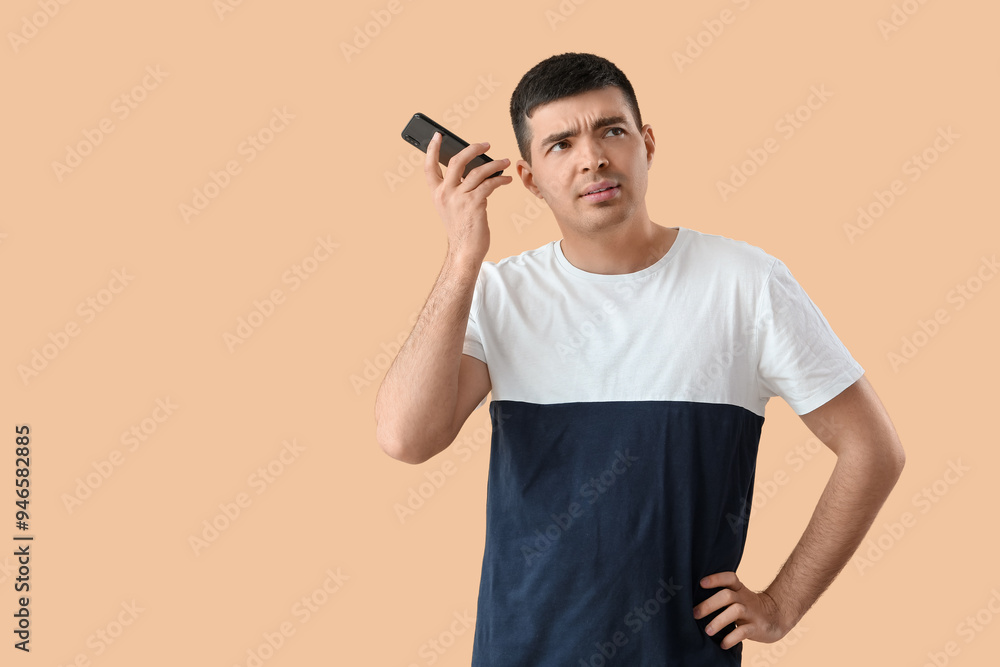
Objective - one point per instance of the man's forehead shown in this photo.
(578, 111)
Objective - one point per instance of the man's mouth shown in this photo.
(601, 194)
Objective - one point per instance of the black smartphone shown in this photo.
(421, 129)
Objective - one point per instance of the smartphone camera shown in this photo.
(412, 141)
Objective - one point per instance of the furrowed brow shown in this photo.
(604, 121)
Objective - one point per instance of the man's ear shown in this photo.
(524, 171)
(650, 142)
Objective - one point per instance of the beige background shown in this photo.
(309, 373)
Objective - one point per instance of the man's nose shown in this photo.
(592, 155)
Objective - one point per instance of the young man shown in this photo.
(630, 364)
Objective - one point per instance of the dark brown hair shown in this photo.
(561, 76)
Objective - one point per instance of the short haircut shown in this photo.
(562, 76)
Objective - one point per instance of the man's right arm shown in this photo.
(426, 394)
(431, 387)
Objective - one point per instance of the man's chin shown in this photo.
(601, 219)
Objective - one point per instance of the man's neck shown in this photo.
(625, 252)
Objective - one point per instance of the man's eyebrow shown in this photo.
(566, 134)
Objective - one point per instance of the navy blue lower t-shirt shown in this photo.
(627, 411)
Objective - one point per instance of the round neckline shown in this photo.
(675, 247)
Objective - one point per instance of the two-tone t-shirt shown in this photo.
(626, 412)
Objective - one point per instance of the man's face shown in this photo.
(582, 142)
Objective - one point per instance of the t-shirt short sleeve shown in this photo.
(799, 356)
(473, 345)
(473, 336)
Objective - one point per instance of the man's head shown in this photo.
(563, 76)
(578, 129)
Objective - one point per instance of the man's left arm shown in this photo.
(870, 458)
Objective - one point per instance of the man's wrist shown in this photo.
(786, 612)
(460, 261)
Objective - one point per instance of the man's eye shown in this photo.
(555, 146)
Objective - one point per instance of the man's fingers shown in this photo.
(491, 184)
(481, 174)
(457, 164)
(720, 579)
(431, 167)
(729, 615)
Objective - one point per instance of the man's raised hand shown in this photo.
(462, 203)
